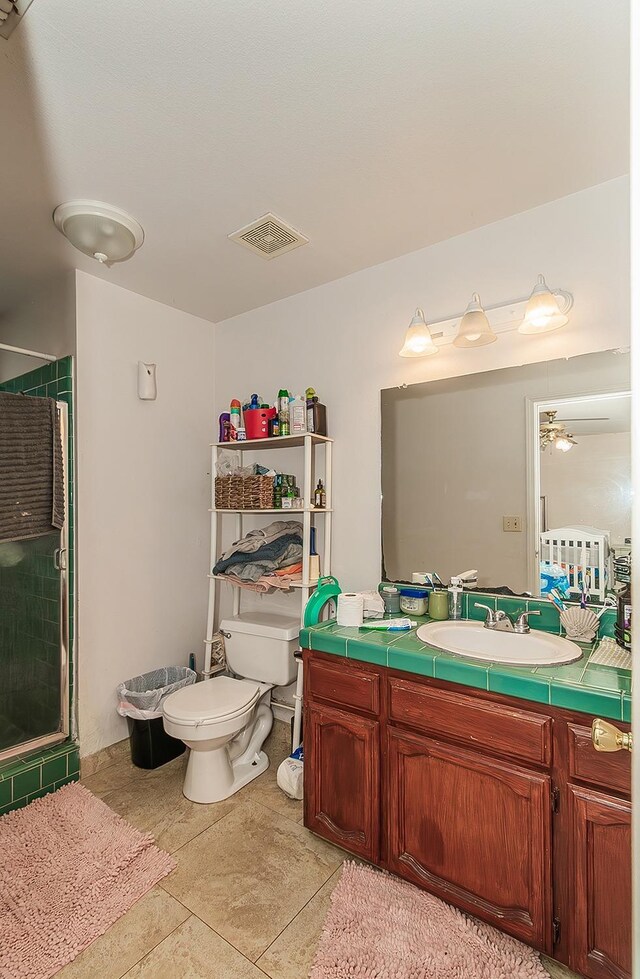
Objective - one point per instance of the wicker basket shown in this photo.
(244, 492)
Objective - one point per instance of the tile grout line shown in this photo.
(265, 950)
(299, 912)
(193, 914)
(149, 951)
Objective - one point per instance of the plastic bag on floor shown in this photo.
(290, 774)
(142, 696)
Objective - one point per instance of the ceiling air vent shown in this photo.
(11, 13)
(269, 236)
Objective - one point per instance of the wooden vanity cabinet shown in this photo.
(499, 806)
(342, 803)
(342, 757)
(600, 865)
(485, 844)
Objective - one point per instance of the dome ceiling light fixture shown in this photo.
(101, 231)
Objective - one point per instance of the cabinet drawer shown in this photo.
(610, 769)
(484, 725)
(344, 685)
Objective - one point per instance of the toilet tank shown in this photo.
(260, 646)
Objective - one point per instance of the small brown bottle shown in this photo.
(319, 496)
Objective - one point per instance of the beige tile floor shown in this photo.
(250, 892)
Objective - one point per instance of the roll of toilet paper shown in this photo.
(350, 609)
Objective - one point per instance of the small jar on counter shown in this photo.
(439, 604)
(414, 600)
(391, 599)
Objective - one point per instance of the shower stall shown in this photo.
(34, 631)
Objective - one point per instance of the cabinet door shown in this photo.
(601, 828)
(474, 831)
(342, 779)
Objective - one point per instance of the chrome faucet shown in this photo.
(499, 621)
(522, 626)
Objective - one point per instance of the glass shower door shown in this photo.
(34, 626)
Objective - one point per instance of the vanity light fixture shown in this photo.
(541, 312)
(475, 329)
(544, 312)
(418, 341)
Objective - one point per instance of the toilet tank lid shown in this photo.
(268, 624)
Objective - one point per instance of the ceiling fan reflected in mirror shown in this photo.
(553, 432)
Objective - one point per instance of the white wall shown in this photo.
(45, 322)
(142, 530)
(590, 485)
(343, 338)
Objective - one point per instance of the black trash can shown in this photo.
(150, 744)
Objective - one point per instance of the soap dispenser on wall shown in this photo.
(147, 384)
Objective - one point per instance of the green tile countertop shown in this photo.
(592, 689)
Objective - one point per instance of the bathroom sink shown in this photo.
(473, 640)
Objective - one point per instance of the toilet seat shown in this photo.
(218, 699)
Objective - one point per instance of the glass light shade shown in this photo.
(475, 329)
(564, 444)
(542, 313)
(418, 341)
(99, 230)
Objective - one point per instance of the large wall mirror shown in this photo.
(523, 473)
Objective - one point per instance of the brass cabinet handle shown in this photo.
(608, 737)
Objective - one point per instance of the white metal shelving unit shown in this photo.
(309, 443)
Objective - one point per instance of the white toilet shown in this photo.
(225, 721)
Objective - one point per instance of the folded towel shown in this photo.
(252, 570)
(265, 584)
(271, 552)
(31, 470)
(256, 539)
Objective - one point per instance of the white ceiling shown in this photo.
(583, 417)
(374, 127)
(594, 415)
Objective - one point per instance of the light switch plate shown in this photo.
(512, 525)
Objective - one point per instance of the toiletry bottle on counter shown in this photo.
(455, 599)
(283, 411)
(439, 604)
(391, 599)
(414, 600)
(623, 621)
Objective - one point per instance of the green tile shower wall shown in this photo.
(26, 779)
(54, 766)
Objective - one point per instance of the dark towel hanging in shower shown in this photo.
(31, 469)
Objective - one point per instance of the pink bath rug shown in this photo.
(380, 927)
(69, 868)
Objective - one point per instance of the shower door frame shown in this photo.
(61, 563)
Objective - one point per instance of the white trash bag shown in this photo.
(142, 696)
